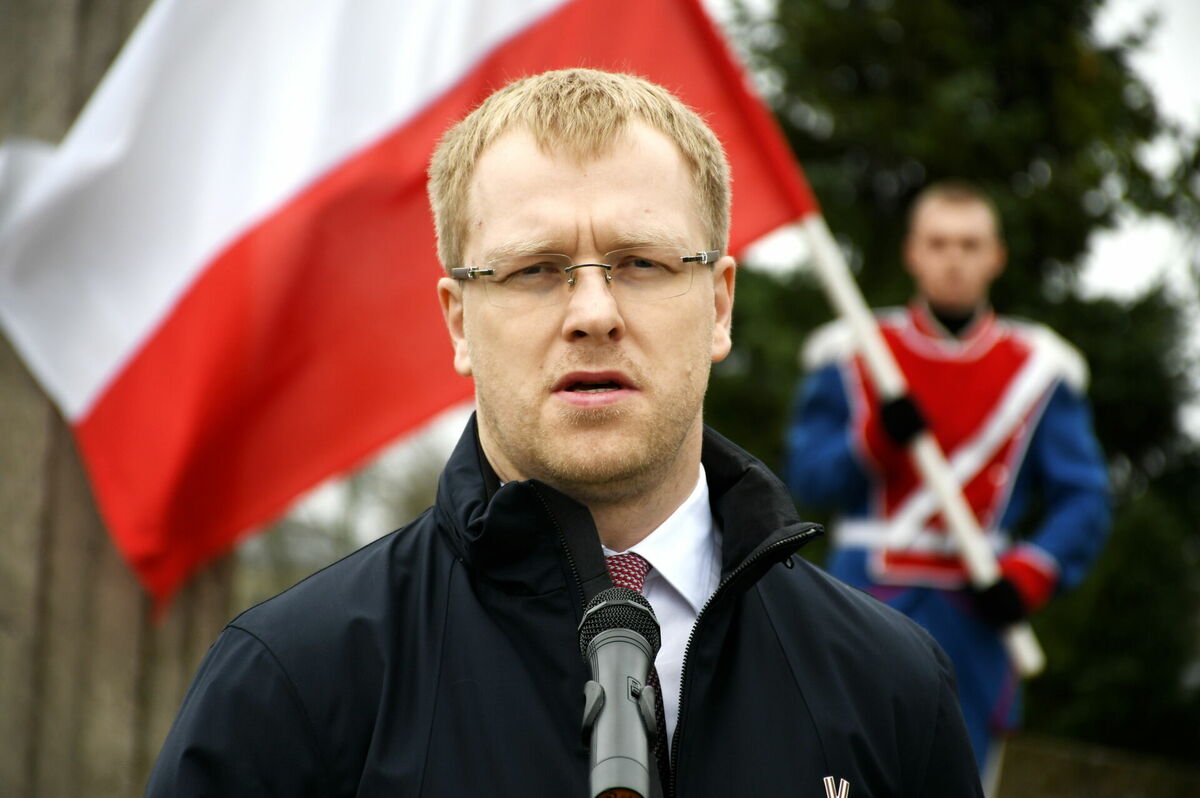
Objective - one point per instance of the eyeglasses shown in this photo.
(638, 274)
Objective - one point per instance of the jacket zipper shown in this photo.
(562, 540)
(794, 542)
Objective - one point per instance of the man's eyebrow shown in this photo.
(645, 237)
(626, 239)
(530, 247)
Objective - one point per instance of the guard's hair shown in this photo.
(954, 191)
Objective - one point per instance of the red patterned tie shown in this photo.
(629, 570)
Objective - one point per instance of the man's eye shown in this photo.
(530, 272)
(639, 263)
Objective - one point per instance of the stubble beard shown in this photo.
(601, 455)
(616, 468)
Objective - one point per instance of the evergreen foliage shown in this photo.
(879, 98)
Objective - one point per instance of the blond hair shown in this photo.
(582, 112)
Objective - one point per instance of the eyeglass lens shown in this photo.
(639, 274)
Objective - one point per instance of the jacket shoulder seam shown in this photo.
(294, 692)
(437, 682)
(792, 669)
(938, 722)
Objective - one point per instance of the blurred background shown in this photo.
(1071, 113)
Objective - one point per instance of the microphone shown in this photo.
(619, 638)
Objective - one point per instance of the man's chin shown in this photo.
(600, 467)
(598, 483)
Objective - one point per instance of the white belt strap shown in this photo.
(875, 535)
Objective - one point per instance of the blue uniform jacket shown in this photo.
(1060, 471)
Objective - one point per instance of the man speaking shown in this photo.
(582, 219)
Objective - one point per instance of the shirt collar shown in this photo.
(682, 549)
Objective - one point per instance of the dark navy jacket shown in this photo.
(442, 660)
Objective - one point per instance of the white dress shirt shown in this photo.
(684, 553)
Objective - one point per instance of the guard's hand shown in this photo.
(902, 420)
(999, 605)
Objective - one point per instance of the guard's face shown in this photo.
(595, 395)
(953, 253)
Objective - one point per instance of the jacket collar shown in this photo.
(529, 538)
(522, 536)
(753, 509)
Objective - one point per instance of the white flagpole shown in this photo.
(977, 555)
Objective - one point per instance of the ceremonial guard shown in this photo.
(1006, 401)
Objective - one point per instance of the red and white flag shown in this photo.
(224, 275)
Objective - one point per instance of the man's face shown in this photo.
(536, 371)
(953, 253)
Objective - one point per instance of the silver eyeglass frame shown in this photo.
(475, 272)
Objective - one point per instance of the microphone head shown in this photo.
(619, 608)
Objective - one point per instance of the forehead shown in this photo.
(639, 186)
(954, 218)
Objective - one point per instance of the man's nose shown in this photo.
(592, 310)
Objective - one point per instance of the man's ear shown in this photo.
(450, 297)
(908, 256)
(723, 276)
(1001, 260)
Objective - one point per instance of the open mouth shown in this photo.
(582, 383)
(594, 387)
